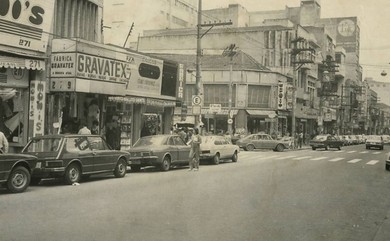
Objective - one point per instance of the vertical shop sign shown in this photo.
(281, 96)
(289, 97)
(37, 106)
(180, 83)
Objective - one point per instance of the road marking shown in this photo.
(351, 152)
(336, 159)
(284, 157)
(376, 153)
(354, 160)
(318, 158)
(363, 152)
(372, 162)
(301, 158)
(340, 151)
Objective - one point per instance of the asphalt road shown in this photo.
(293, 195)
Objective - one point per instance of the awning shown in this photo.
(207, 111)
(21, 63)
(262, 113)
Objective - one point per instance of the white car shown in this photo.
(217, 148)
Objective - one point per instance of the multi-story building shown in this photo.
(146, 14)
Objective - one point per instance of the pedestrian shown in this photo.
(84, 129)
(195, 150)
(95, 127)
(3, 143)
(300, 139)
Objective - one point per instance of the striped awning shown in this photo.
(21, 63)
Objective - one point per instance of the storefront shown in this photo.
(23, 46)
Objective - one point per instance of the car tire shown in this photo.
(215, 159)
(387, 167)
(327, 147)
(72, 174)
(313, 148)
(18, 180)
(235, 157)
(165, 164)
(339, 147)
(35, 180)
(250, 147)
(279, 148)
(121, 168)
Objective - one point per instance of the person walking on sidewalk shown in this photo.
(300, 139)
(195, 150)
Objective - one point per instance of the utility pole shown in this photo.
(199, 37)
(230, 51)
(128, 35)
(300, 48)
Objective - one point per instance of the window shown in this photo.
(77, 144)
(259, 96)
(97, 143)
(217, 94)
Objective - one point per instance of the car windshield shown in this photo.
(320, 138)
(151, 141)
(43, 145)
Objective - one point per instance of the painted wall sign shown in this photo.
(25, 24)
(281, 96)
(37, 106)
(180, 83)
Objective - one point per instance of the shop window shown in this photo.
(169, 79)
(259, 96)
(216, 94)
(13, 116)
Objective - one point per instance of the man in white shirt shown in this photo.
(84, 130)
(3, 143)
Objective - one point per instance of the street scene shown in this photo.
(194, 120)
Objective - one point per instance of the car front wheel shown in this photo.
(250, 147)
(235, 157)
(216, 159)
(166, 164)
(18, 180)
(280, 148)
(72, 174)
(120, 169)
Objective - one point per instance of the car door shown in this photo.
(257, 142)
(226, 148)
(104, 158)
(173, 149)
(183, 150)
(79, 148)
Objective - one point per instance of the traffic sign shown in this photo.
(230, 121)
(231, 113)
(196, 109)
(196, 100)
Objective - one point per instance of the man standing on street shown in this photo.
(195, 150)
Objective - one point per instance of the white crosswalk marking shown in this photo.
(284, 157)
(363, 152)
(354, 160)
(318, 158)
(376, 153)
(351, 152)
(372, 162)
(301, 158)
(336, 159)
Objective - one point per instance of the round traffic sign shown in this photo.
(196, 100)
(230, 121)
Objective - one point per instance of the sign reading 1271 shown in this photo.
(25, 24)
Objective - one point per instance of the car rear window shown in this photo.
(151, 141)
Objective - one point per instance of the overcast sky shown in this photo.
(374, 25)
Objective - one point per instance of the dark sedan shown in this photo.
(72, 156)
(163, 151)
(15, 171)
(326, 141)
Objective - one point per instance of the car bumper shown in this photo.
(144, 161)
(317, 145)
(374, 145)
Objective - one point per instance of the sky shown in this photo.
(374, 26)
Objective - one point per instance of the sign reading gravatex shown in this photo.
(26, 24)
(141, 74)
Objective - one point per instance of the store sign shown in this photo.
(180, 83)
(281, 96)
(26, 24)
(37, 106)
(161, 103)
(289, 97)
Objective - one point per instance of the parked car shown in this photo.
(262, 141)
(15, 171)
(163, 151)
(72, 156)
(387, 163)
(217, 148)
(374, 141)
(326, 141)
(386, 139)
